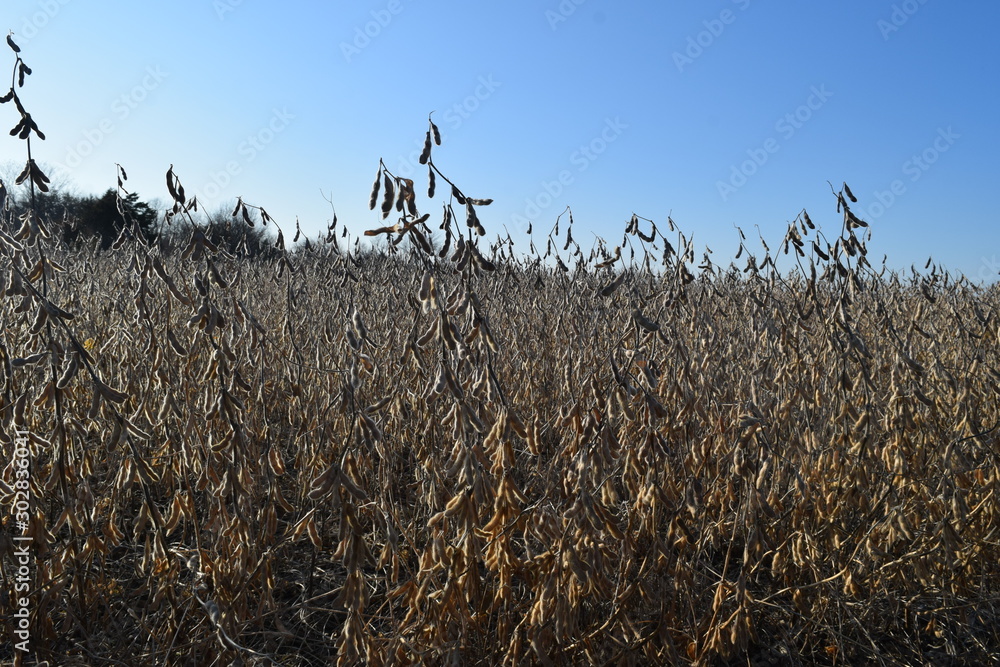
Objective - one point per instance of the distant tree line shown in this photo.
(77, 220)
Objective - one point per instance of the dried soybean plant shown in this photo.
(423, 453)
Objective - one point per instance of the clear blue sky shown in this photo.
(719, 113)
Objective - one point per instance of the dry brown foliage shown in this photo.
(425, 456)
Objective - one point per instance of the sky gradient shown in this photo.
(732, 112)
